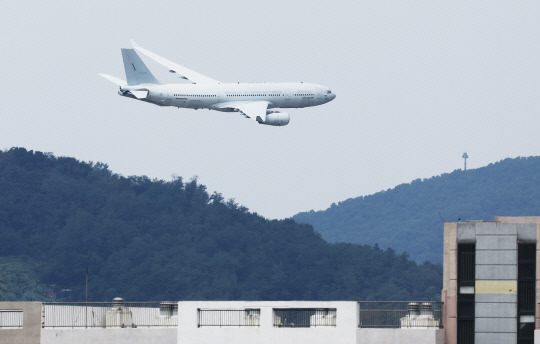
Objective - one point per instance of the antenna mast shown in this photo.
(86, 301)
(465, 156)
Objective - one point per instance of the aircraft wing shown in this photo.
(255, 110)
(185, 73)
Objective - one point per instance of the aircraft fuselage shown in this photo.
(214, 97)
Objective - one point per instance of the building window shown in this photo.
(526, 292)
(465, 284)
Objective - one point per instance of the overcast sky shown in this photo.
(417, 82)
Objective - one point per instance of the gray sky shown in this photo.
(417, 84)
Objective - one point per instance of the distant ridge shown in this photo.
(409, 216)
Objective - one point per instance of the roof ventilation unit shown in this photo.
(419, 316)
(118, 315)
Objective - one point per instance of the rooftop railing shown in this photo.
(229, 317)
(400, 314)
(109, 314)
(304, 317)
(11, 319)
(120, 314)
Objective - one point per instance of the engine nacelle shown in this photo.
(276, 118)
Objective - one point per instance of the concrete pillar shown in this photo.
(496, 283)
(537, 310)
(449, 292)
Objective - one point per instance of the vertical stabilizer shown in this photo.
(136, 71)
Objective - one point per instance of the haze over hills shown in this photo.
(148, 239)
(409, 216)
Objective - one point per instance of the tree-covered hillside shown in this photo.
(409, 217)
(148, 239)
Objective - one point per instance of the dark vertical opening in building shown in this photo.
(465, 302)
(526, 292)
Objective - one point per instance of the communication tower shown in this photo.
(465, 156)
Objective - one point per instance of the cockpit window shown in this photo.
(328, 92)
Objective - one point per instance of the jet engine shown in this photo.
(276, 118)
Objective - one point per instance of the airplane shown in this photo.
(258, 101)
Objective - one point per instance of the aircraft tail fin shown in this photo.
(136, 71)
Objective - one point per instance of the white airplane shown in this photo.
(257, 101)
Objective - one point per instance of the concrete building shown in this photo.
(97, 322)
(490, 295)
(490, 290)
(20, 322)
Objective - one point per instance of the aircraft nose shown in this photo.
(331, 96)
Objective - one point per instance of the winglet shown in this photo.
(182, 71)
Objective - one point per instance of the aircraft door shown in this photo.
(168, 99)
(306, 98)
(179, 101)
(182, 101)
(288, 98)
(161, 99)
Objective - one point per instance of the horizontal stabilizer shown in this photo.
(139, 94)
(114, 79)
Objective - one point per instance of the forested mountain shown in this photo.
(409, 217)
(145, 239)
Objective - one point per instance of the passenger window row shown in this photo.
(195, 95)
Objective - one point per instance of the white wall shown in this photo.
(346, 330)
(103, 335)
(266, 333)
(399, 336)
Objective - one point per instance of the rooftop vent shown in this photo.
(118, 315)
(168, 308)
(118, 302)
(420, 316)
